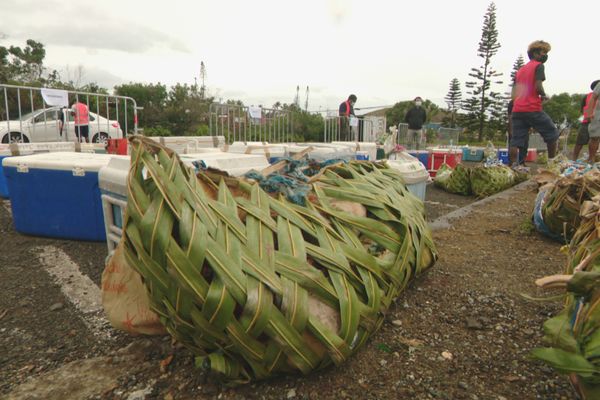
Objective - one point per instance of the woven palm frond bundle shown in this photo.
(488, 180)
(256, 285)
(573, 336)
(562, 201)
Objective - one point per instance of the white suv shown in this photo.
(43, 126)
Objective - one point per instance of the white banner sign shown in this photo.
(56, 97)
(255, 112)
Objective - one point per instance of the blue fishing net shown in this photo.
(291, 181)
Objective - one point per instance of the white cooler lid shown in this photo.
(411, 169)
(65, 161)
(113, 176)
(233, 163)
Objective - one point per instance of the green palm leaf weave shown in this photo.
(255, 285)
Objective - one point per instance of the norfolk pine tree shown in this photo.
(453, 100)
(482, 97)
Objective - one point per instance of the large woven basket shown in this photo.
(255, 285)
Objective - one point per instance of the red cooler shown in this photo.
(117, 146)
(531, 155)
(440, 156)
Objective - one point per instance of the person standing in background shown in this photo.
(346, 111)
(415, 118)
(583, 135)
(81, 118)
(528, 94)
(594, 125)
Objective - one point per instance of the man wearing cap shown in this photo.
(528, 94)
(415, 118)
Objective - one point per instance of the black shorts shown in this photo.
(583, 135)
(82, 131)
(540, 121)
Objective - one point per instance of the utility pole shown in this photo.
(306, 101)
(202, 78)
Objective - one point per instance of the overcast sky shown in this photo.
(259, 51)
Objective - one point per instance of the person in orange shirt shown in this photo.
(81, 118)
(583, 135)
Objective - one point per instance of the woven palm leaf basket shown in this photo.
(256, 285)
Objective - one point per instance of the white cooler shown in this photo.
(368, 147)
(113, 183)
(233, 163)
(190, 144)
(273, 152)
(413, 171)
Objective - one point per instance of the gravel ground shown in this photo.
(461, 331)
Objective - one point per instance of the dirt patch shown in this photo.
(461, 331)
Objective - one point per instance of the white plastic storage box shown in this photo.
(273, 152)
(233, 163)
(57, 194)
(413, 171)
(189, 144)
(370, 148)
(341, 151)
(323, 152)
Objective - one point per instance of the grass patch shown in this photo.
(527, 226)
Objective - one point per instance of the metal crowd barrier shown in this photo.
(349, 129)
(445, 137)
(33, 114)
(246, 124)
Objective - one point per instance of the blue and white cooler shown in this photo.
(22, 149)
(57, 194)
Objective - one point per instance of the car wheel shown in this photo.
(101, 138)
(15, 137)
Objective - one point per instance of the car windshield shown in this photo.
(27, 116)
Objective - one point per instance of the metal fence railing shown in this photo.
(444, 137)
(247, 124)
(447, 136)
(33, 114)
(344, 129)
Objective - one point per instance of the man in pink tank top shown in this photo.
(81, 118)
